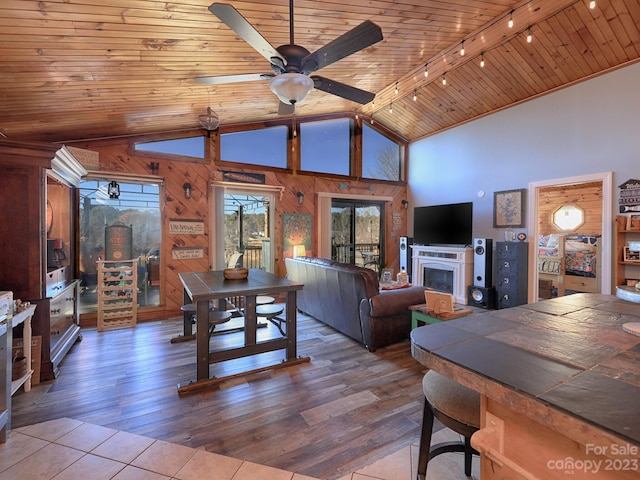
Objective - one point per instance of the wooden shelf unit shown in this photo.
(625, 270)
(117, 294)
(7, 386)
(24, 318)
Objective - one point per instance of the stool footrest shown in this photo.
(447, 447)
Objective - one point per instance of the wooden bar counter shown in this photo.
(559, 382)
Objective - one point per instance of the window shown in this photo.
(189, 147)
(568, 217)
(325, 146)
(380, 155)
(138, 206)
(265, 147)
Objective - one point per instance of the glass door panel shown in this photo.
(137, 206)
(247, 230)
(357, 228)
(342, 232)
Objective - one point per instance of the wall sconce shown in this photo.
(300, 196)
(187, 190)
(113, 190)
(405, 204)
(299, 251)
(154, 166)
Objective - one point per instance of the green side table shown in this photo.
(418, 319)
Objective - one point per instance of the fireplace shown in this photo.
(438, 279)
(444, 269)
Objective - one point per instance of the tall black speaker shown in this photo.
(405, 255)
(482, 262)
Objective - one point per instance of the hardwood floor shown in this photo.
(327, 418)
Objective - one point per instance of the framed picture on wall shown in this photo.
(296, 234)
(509, 208)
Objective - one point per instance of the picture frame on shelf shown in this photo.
(633, 222)
(631, 255)
(386, 276)
(509, 208)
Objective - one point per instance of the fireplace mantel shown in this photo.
(458, 260)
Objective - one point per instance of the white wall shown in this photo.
(591, 127)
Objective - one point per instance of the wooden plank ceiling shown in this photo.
(82, 69)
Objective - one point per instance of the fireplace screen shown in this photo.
(438, 279)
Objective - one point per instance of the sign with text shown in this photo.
(185, 253)
(186, 227)
(88, 158)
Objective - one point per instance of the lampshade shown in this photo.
(299, 251)
(291, 88)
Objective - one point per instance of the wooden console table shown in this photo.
(559, 383)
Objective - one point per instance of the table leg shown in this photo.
(250, 320)
(187, 327)
(292, 329)
(202, 340)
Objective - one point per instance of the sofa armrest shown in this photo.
(385, 318)
(391, 302)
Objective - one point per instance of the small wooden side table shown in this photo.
(421, 315)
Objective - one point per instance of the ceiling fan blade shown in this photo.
(236, 22)
(362, 36)
(245, 77)
(341, 90)
(286, 109)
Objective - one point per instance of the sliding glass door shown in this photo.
(357, 232)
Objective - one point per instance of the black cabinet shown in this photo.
(512, 272)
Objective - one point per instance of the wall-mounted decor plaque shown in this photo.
(185, 253)
(186, 227)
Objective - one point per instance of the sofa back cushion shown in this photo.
(332, 291)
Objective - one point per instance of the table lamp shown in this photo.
(299, 251)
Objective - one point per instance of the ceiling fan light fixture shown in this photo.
(291, 88)
(209, 120)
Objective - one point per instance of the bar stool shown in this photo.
(458, 408)
(264, 300)
(190, 308)
(216, 317)
(271, 312)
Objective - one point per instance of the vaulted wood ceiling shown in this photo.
(81, 69)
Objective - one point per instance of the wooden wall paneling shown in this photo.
(116, 157)
(149, 56)
(21, 261)
(585, 196)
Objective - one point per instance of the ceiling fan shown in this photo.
(292, 64)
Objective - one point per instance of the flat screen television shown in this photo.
(450, 224)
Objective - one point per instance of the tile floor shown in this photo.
(67, 449)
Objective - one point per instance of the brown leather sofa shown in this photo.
(347, 298)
